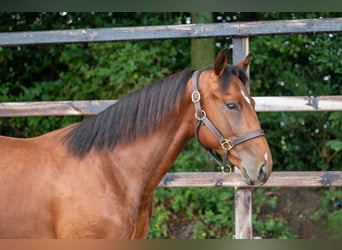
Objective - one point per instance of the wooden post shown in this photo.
(243, 196)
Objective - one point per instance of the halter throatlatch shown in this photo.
(202, 119)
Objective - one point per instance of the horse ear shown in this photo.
(220, 62)
(245, 62)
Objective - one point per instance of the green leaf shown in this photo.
(335, 145)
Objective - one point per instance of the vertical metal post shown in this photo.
(243, 196)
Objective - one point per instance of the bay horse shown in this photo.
(96, 178)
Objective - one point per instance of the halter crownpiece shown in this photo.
(202, 119)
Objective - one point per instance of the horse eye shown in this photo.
(232, 106)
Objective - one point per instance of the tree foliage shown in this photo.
(282, 65)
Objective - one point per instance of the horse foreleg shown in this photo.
(143, 221)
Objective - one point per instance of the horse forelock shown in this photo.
(231, 70)
(134, 115)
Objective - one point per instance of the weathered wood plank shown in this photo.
(54, 108)
(243, 213)
(298, 103)
(277, 179)
(239, 29)
(263, 104)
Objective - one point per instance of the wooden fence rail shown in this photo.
(277, 179)
(238, 29)
(240, 33)
(73, 108)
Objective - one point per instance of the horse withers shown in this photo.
(96, 178)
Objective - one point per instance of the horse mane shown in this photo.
(231, 70)
(136, 114)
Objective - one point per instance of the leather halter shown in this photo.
(202, 119)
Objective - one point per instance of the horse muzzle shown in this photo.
(256, 177)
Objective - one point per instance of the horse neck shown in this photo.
(149, 157)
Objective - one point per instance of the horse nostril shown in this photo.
(262, 173)
(246, 177)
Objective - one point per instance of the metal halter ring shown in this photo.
(203, 115)
(228, 167)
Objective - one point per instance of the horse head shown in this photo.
(227, 121)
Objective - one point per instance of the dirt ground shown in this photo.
(296, 206)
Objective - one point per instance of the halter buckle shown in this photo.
(195, 96)
(225, 144)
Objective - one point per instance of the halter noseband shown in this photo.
(202, 119)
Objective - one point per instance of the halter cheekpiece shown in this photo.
(202, 119)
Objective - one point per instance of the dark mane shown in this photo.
(136, 114)
(231, 70)
(228, 72)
